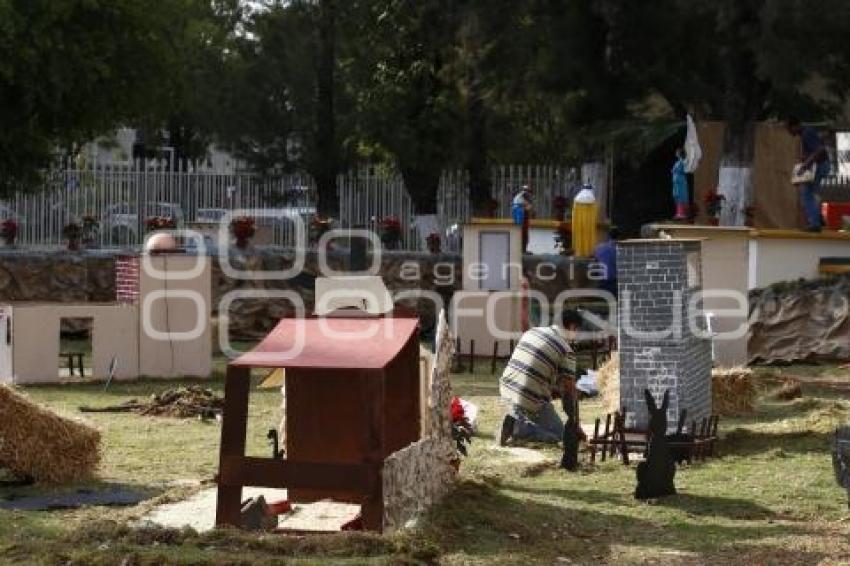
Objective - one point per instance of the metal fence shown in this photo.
(121, 197)
(368, 196)
(836, 189)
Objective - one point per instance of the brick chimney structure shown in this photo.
(664, 342)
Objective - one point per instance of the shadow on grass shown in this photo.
(481, 521)
(40, 498)
(707, 506)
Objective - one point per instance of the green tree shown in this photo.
(406, 105)
(71, 70)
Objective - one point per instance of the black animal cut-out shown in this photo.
(655, 474)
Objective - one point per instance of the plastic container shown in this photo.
(833, 213)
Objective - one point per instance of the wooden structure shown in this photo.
(616, 439)
(352, 386)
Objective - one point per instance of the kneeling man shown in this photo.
(542, 363)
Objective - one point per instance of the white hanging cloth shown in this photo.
(693, 151)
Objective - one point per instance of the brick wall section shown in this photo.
(127, 279)
(655, 293)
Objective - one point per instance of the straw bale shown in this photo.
(733, 391)
(608, 381)
(37, 443)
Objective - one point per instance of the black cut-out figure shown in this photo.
(569, 402)
(655, 474)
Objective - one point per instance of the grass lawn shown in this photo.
(770, 498)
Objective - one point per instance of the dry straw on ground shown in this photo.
(733, 391)
(39, 444)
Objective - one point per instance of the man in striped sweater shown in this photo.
(542, 363)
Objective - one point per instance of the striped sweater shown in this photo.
(541, 357)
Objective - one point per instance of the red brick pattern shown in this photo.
(127, 279)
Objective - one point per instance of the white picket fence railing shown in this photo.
(120, 198)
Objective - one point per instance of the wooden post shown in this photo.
(593, 445)
(472, 356)
(233, 428)
(605, 436)
(374, 400)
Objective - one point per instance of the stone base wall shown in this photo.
(89, 276)
(414, 478)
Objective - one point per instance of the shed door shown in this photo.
(494, 249)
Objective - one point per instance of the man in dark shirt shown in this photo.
(814, 154)
(606, 254)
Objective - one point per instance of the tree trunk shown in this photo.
(326, 163)
(741, 105)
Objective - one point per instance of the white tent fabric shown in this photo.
(693, 150)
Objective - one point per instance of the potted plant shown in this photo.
(491, 206)
(90, 231)
(318, 227)
(713, 206)
(72, 233)
(154, 223)
(559, 208)
(461, 431)
(9, 231)
(564, 238)
(389, 230)
(434, 243)
(243, 228)
(750, 216)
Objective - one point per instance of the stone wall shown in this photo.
(89, 276)
(658, 349)
(421, 474)
(57, 276)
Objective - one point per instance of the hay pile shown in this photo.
(182, 403)
(733, 391)
(791, 389)
(39, 444)
(608, 381)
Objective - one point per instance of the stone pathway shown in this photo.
(198, 512)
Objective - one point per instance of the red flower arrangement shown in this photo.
(714, 203)
(434, 243)
(318, 226)
(9, 231)
(160, 223)
(458, 414)
(243, 228)
(389, 230)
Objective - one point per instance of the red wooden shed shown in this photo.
(352, 399)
